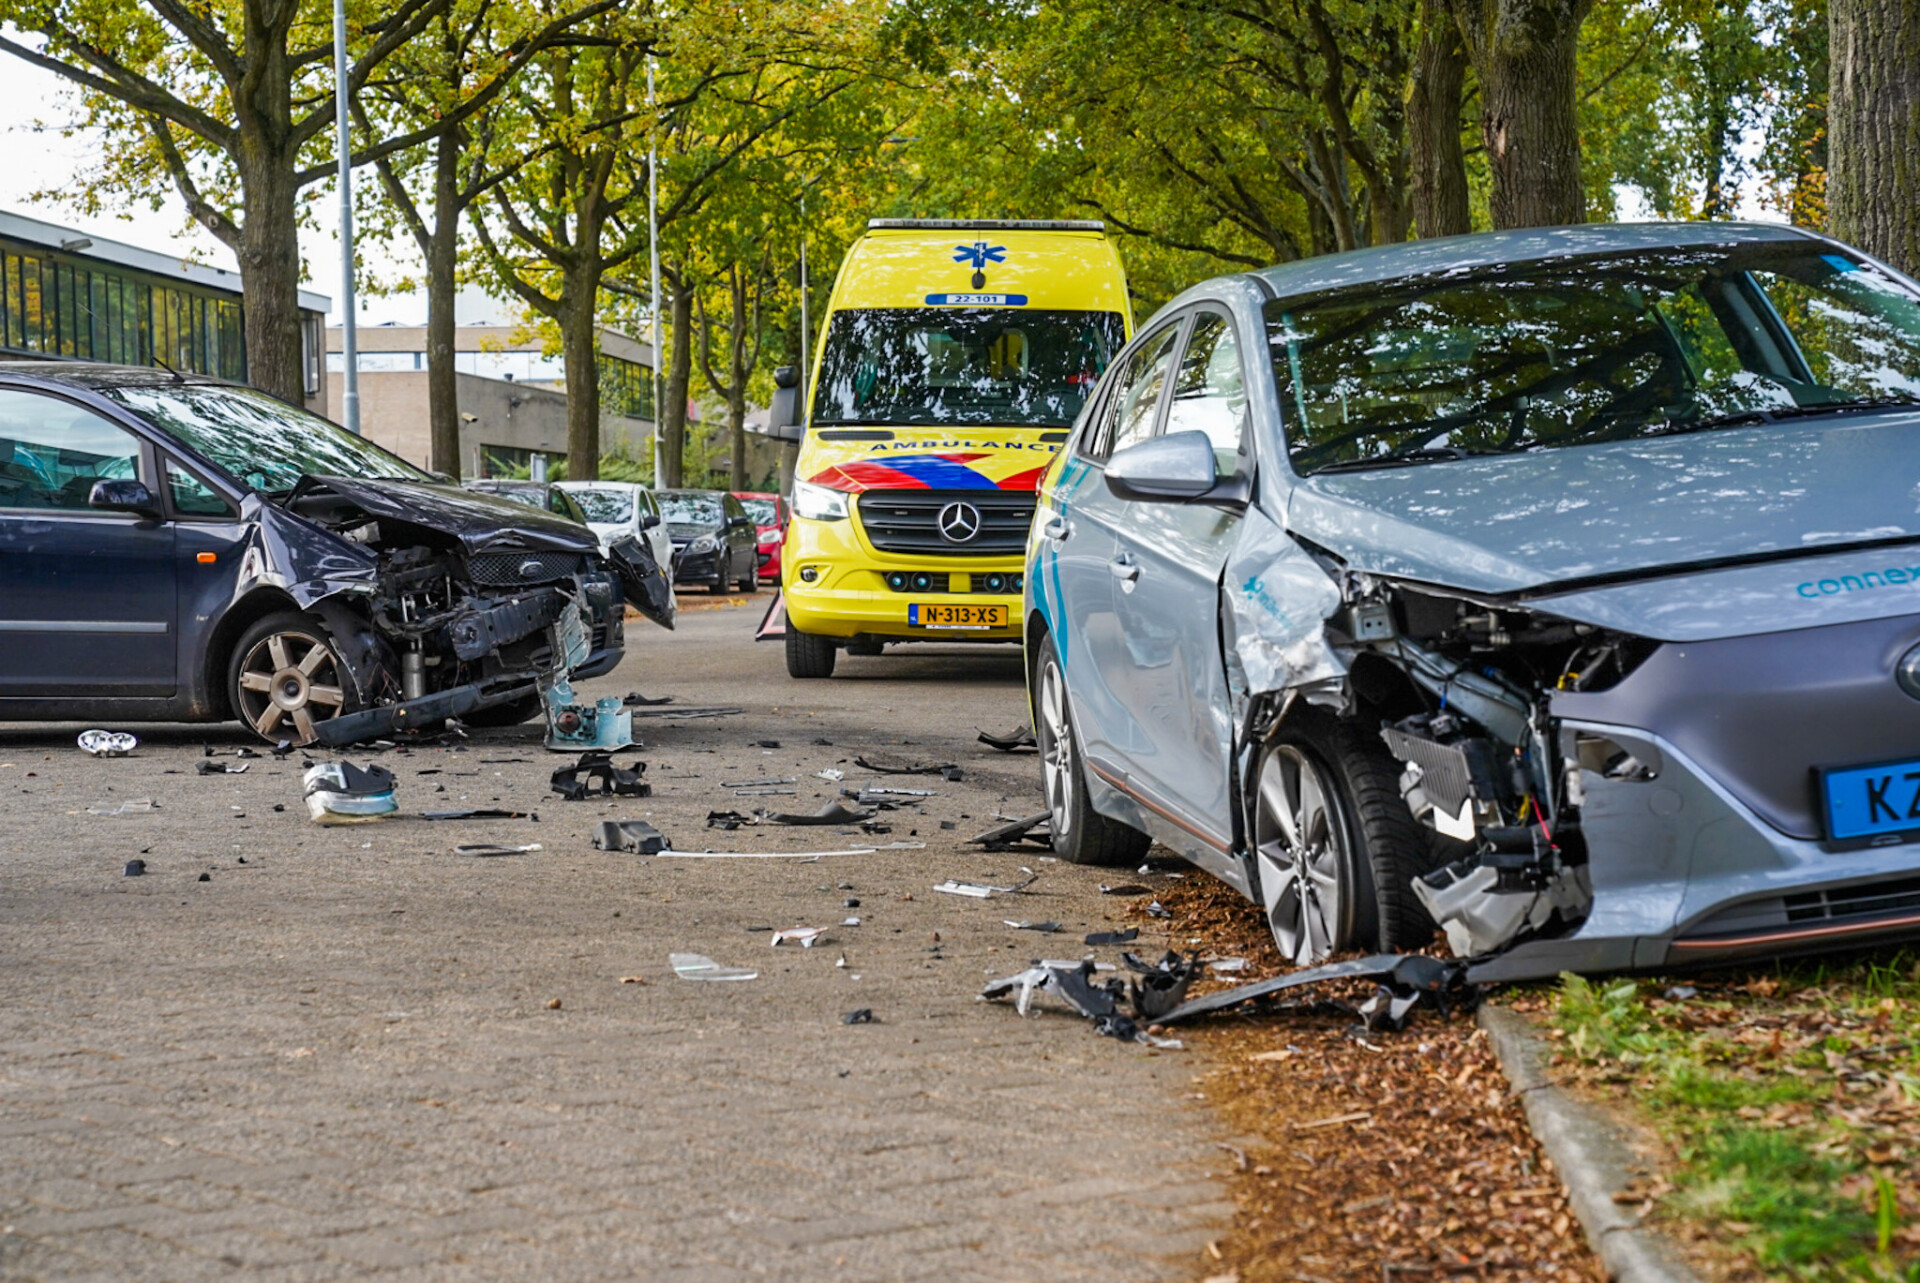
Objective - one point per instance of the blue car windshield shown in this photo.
(257, 439)
(1579, 351)
(1007, 367)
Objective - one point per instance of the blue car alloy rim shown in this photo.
(1056, 749)
(1301, 851)
(289, 681)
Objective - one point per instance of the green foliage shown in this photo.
(1786, 1102)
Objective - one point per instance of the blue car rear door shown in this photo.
(87, 605)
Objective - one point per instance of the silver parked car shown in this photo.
(1561, 588)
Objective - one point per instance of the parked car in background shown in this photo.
(548, 496)
(176, 548)
(616, 509)
(769, 513)
(713, 539)
(1561, 587)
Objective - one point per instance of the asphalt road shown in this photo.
(350, 1050)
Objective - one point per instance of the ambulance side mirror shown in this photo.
(783, 415)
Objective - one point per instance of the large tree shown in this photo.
(1525, 56)
(1873, 110)
(231, 104)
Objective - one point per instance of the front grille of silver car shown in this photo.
(516, 569)
(908, 521)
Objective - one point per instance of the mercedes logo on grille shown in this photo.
(958, 522)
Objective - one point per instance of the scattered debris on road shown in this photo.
(1046, 928)
(905, 768)
(982, 891)
(697, 966)
(479, 813)
(206, 766)
(575, 783)
(107, 743)
(1404, 982)
(134, 869)
(863, 1016)
(832, 813)
(1034, 829)
(806, 937)
(629, 835)
(491, 849)
(1073, 983)
(134, 806)
(1018, 740)
(1114, 937)
(342, 793)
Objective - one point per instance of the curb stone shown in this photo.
(1590, 1151)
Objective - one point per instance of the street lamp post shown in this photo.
(349, 347)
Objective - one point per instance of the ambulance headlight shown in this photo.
(817, 503)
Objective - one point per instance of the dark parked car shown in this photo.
(543, 495)
(713, 539)
(182, 549)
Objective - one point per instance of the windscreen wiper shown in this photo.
(1776, 414)
(1402, 458)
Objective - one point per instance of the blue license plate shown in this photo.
(1865, 801)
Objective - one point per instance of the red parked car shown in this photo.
(769, 513)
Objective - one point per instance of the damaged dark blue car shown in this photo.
(175, 548)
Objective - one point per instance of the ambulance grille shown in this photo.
(908, 521)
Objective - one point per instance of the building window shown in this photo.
(626, 388)
(505, 461)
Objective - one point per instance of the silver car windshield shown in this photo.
(257, 439)
(1002, 366)
(609, 507)
(1576, 352)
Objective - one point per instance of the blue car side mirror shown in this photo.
(124, 496)
(1176, 467)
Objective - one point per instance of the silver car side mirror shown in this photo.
(1173, 467)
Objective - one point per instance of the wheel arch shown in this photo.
(242, 615)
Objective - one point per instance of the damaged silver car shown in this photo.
(175, 548)
(1560, 588)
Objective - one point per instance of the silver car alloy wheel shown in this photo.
(290, 677)
(1056, 749)
(1301, 846)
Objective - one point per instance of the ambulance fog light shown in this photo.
(808, 574)
(922, 581)
(897, 580)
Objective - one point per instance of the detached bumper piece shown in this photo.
(373, 723)
(575, 783)
(1404, 982)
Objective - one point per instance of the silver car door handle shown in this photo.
(1124, 569)
(1056, 529)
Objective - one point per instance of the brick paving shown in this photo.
(339, 1058)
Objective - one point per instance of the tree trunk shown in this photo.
(580, 345)
(1523, 54)
(1440, 205)
(737, 427)
(1873, 110)
(673, 413)
(269, 258)
(443, 249)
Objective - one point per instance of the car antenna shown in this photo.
(177, 376)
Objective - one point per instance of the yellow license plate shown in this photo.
(928, 615)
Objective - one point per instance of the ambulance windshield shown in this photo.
(988, 366)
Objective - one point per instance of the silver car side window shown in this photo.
(1136, 404)
(1210, 391)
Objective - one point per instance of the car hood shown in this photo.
(1623, 509)
(479, 521)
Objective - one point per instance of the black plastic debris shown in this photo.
(1018, 740)
(729, 820)
(575, 783)
(1125, 888)
(479, 813)
(134, 869)
(1114, 937)
(630, 835)
(766, 743)
(832, 813)
(1035, 829)
(1074, 984)
(282, 748)
(890, 767)
(1405, 982)
(634, 699)
(205, 877)
(207, 766)
(864, 1016)
(1161, 986)
(488, 850)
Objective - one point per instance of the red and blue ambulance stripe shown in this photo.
(922, 472)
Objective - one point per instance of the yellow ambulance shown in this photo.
(954, 356)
